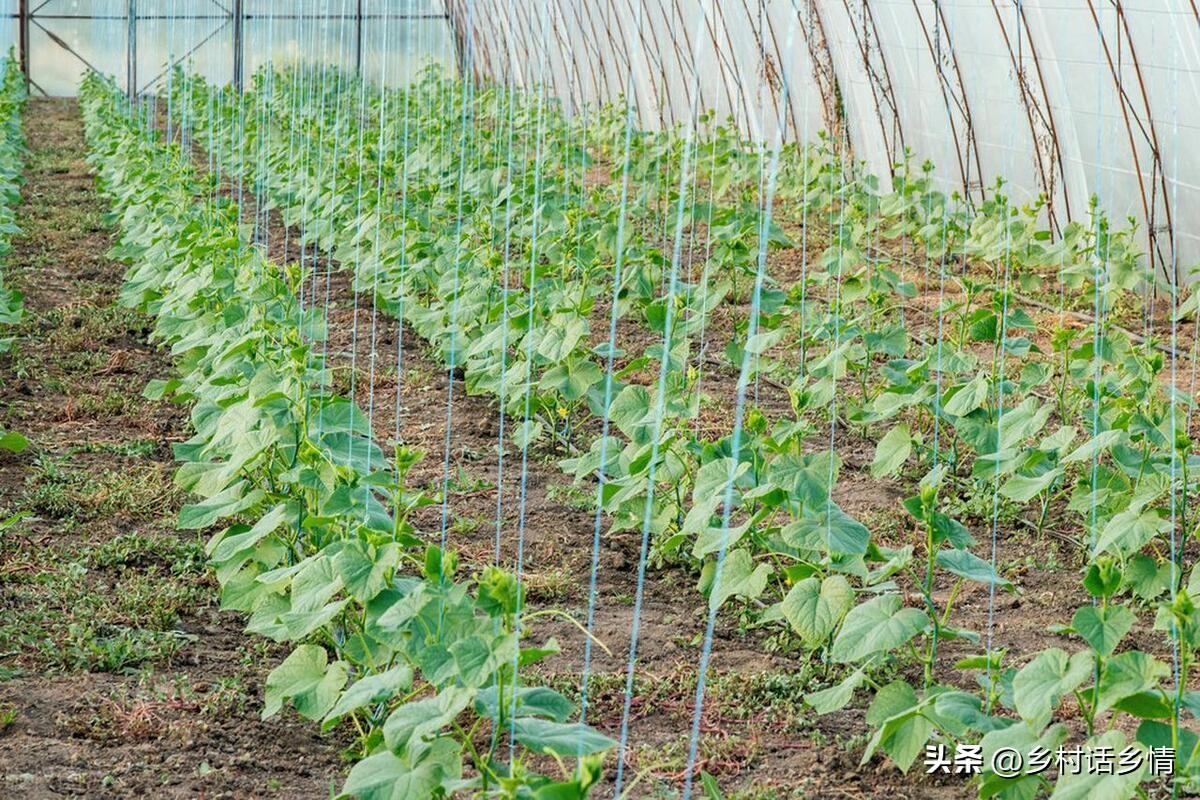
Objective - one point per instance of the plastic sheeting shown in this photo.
(1061, 98)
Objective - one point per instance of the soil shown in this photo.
(768, 747)
(109, 701)
(96, 701)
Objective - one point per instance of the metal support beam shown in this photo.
(23, 37)
(131, 48)
(239, 50)
(358, 34)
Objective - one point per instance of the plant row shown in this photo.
(473, 214)
(12, 160)
(315, 542)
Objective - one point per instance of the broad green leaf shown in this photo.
(966, 397)
(966, 564)
(387, 776)
(962, 712)
(630, 409)
(900, 729)
(532, 701)
(1022, 489)
(739, 576)
(307, 681)
(1040, 685)
(228, 546)
(361, 574)
(233, 500)
(383, 776)
(1128, 532)
(12, 441)
(892, 451)
(830, 529)
(715, 538)
(807, 478)
(878, 625)
(712, 481)
(1103, 627)
(415, 720)
(814, 607)
(1147, 578)
(1021, 737)
(371, 689)
(1094, 447)
(1085, 784)
(572, 379)
(1129, 674)
(836, 697)
(560, 738)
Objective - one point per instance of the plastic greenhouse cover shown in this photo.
(1062, 99)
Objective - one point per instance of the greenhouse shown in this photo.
(550, 399)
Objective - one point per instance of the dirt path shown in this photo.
(118, 676)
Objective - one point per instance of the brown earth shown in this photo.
(118, 676)
(122, 679)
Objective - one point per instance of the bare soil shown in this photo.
(118, 675)
(108, 700)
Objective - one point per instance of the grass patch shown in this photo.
(106, 608)
(59, 490)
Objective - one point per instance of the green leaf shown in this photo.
(900, 729)
(12, 442)
(807, 478)
(1021, 737)
(1094, 447)
(630, 409)
(711, 790)
(739, 576)
(388, 776)
(1022, 489)
(966, 564)
(474, 659)
(370, 690)
(959, 712)
(878, 625)
(532, 701)
(892, 451)
(363, 575)
(1128, 532)
(712, 480)
(1147, 578)
(307, 681)
(383, 776)
(831, 529)
(815, 607)
(1103, 627)
(1085, 784)
(836, 697)
(966, 397)
(1129, 674)
(228, 546)
(572, 379)
(416, 720)
(233, 500)
(559, 738)
(1040, 685)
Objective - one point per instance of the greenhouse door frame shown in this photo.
(230, 13)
